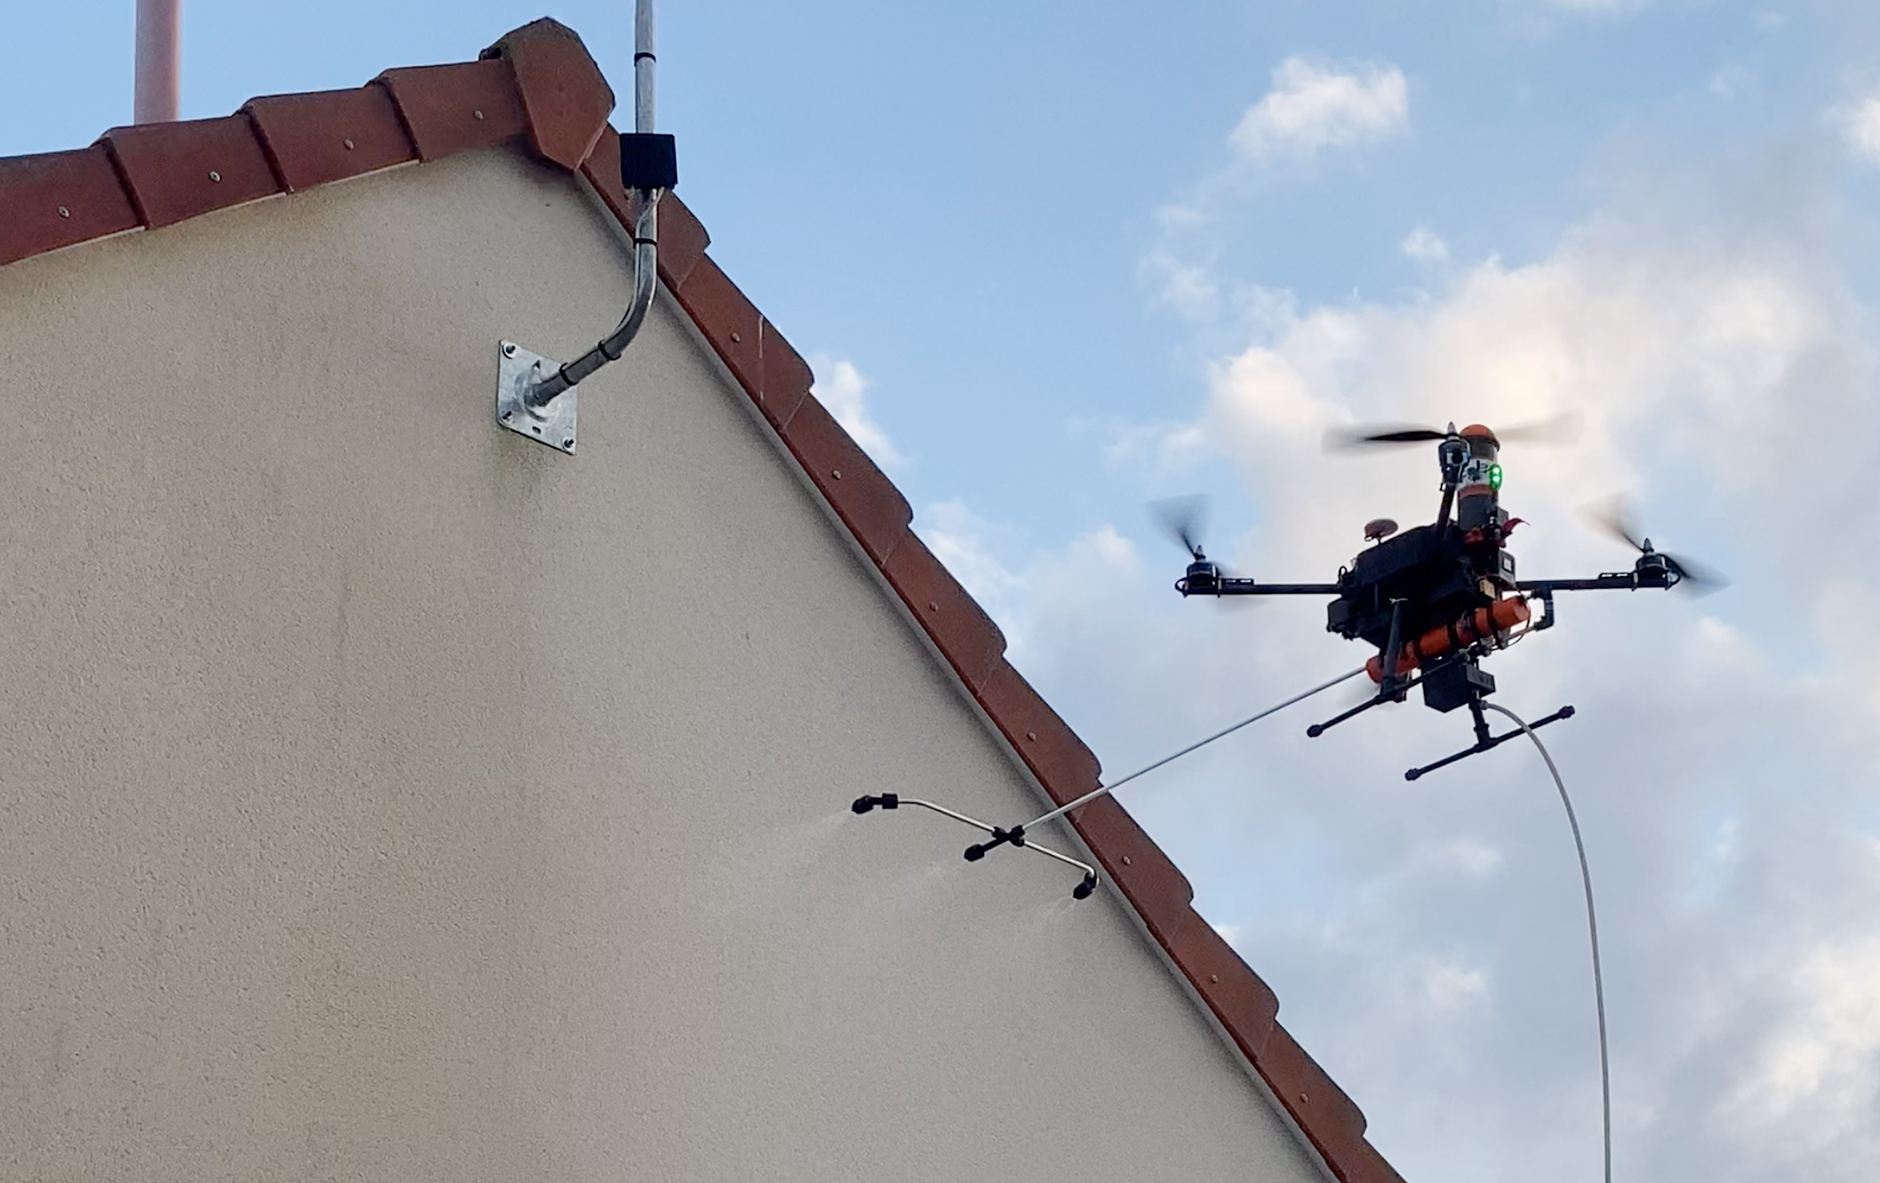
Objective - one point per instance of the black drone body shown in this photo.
(1435, 600)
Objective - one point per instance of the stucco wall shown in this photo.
(385, 796)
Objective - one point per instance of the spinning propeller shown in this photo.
(1182, 519)
(1563, 428)
(1614, 517)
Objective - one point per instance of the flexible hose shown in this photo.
(1592, 932)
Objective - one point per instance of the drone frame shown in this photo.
(1455, 678)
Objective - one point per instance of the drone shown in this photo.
(1436, 600)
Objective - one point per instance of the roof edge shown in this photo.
(538, 87)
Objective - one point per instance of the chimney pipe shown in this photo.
(157, 60)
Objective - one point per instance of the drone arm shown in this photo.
(1230, 586)
(1610, 581)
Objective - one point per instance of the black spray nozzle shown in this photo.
(885, 801)
(1015, 835)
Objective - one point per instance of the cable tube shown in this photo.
(1592, 931)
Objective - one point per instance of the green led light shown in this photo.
(1494, 476)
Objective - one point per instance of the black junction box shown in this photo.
(1451, 685)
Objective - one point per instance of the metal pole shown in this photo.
(158, 61)
(643, 63)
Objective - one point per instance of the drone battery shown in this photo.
(1454, 683)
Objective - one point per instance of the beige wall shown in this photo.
(384, 796)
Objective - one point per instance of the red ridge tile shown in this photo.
(1155, 887)
(787, 379)
(1322, 1110)
(450, 109)
(601, 169)
(1239, 998)
(179, 170)
(59, 198)
(330, 135)
(1061, 761)
(682, 240)
(960, 628)
(564, 96)
(728, 320)
(1363, 1164)
(866, 501)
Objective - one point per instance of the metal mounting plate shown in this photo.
(517, 371)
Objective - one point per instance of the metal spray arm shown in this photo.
(1017, 836)
(1084, 887)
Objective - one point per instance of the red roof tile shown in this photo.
(58, 199)
(175, 171)
(539, 86)
(313, 139)
(865, 500)
(451, 109)
(563, 94)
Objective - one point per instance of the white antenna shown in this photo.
(158, 59)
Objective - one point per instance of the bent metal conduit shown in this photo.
(535, 397)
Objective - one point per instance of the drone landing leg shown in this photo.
(1318, 729)
(1384, 695)
(1481, 722)
(1392, 651)
(1484, 741)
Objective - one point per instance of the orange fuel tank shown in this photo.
(1498, 617)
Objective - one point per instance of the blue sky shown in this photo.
(1057, 259)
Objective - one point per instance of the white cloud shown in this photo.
(845, 393)
(1731, 80)
(1447, 987)
(1313, 106)
(1860, 126)
(1817, 1077)
(1184, 286)
(971, 547)
(1163, 447)
(1424, 246)
(1471, 858)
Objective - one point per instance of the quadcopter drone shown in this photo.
(1437, 599)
